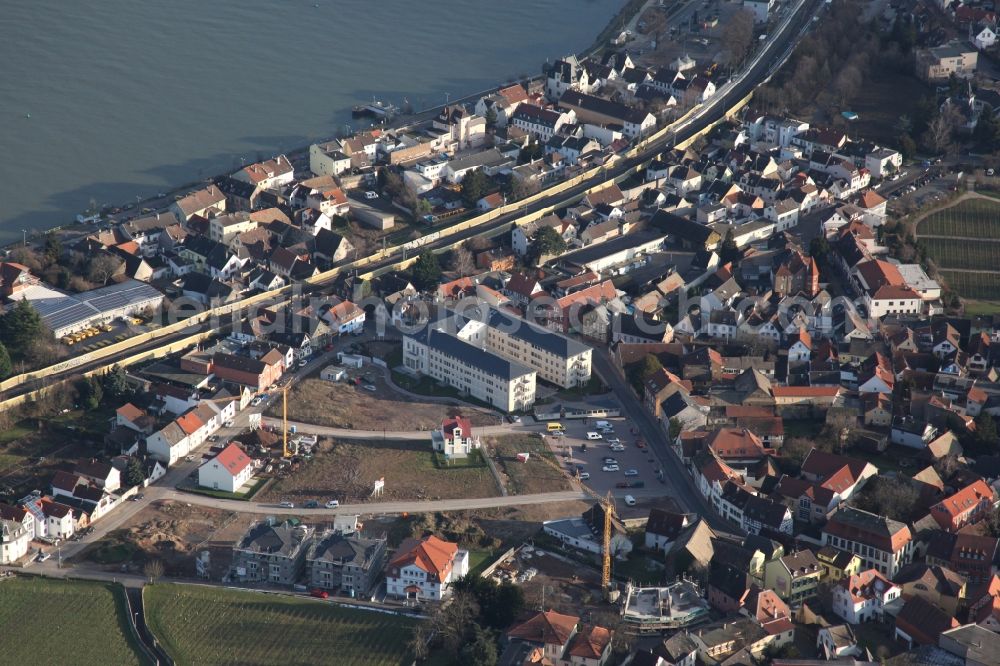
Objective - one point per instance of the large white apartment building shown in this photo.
(556, 358)
(507, 385)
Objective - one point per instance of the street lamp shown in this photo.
(24, 233)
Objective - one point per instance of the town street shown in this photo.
(681, 485)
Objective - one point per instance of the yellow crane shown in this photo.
(607, 503)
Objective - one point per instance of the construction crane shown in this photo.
(607, 504)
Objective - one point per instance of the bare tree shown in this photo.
(938, 134)
(737, 37)
(153, 570)
(101, 267)
(522, 188)
(420, 641)
(462, 262)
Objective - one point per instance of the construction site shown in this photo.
(652, 610)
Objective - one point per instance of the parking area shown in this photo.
(637, 467)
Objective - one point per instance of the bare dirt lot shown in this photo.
(171, 532)
(347, 471)
(345, 405)
(541, 474)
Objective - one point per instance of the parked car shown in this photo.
(629, 500)
(256, 401)
(43, 556)
(332, 504)
(213, 438)
(584, 476)
(319, 594)
(311, 504)
(594, 435)
(369, 387)
(287, 505)
(189, 458)
(608, 460)
(631, 472)
(230, 424)
(610, 468)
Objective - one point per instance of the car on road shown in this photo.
(614, 441)
(189, 458)
(303, 362)
(320, 594)
(594, 435)
(557, 433)
(608, 460)
(629, 500)
(43, 556)
(610, 468)
(287, 505)
(332, 504)
(229, 424)
(213, 438)
(311, 504)
(369, 387)
(256, 401)
(584, 476)
(631, 472)
(641, 444)
(618, 448)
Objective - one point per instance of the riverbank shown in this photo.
(69, 231)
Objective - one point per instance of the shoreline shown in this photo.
(629, 10)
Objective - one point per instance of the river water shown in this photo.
(131, 97)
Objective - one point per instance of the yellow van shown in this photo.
(554, 426)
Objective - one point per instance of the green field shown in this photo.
(980, 286)
(200, 625)
(973, 218)
(949, 253)
(64, 622)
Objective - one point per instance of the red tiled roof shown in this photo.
(233, 459)
(450, 424)
(129, 412)
(549, 627)
(950, 508)
(735, 443)
(433, 555)
(190, 423)
(590, 642)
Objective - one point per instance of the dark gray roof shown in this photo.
(273, 539)
(488, 362)
(543, 338)
(339, 549)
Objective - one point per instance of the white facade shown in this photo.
(455, 362)
(14, 540)
(863, 605)
(167, 446)
(215, 475)
(413, 576)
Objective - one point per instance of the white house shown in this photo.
(425, 569)
(14, 540)
(862, 598)
(907, 431)
(228, 471)
(168, 444)
(985, 38)
(454, 439)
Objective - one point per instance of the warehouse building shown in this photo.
(65, 314)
